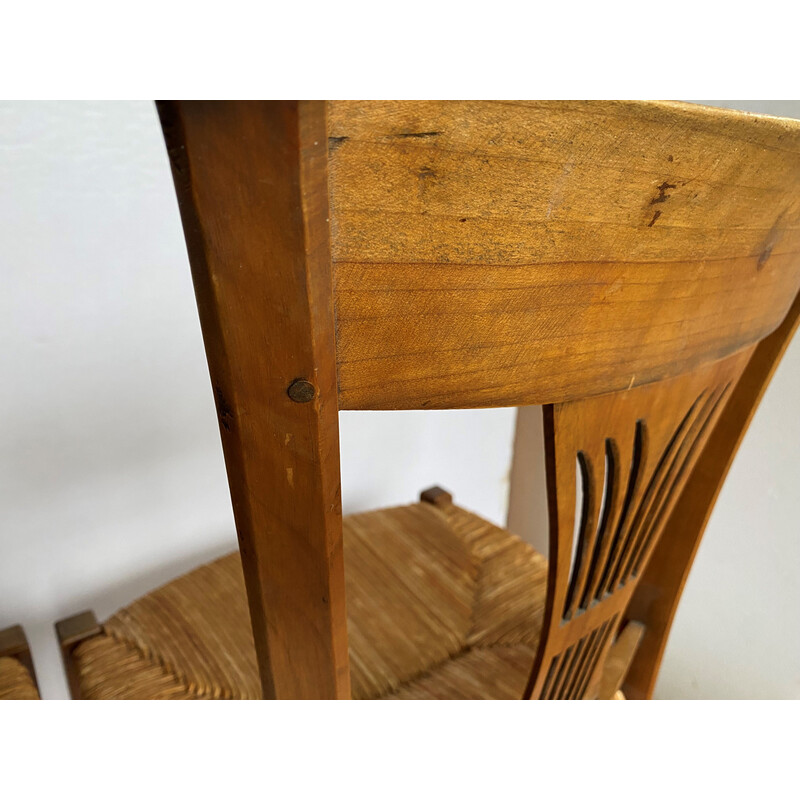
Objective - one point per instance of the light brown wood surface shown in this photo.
(633, 452)
(521, 253)
(251, 181)
(618, 262)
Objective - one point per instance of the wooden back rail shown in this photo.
(618, 263)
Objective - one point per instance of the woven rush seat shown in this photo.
(16, 682)
(17, 674)
(441, 604)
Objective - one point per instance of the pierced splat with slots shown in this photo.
(615, 466)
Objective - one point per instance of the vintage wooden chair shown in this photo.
(17, 675)
(632, 267)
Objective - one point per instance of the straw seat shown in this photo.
(17, 675)
(441, 604)
(16, 682)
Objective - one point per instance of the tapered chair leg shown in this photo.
(436, 496)
(71, 632)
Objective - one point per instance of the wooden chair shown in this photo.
(17, 675)
(632, 267)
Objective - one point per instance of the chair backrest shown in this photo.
(617, 263)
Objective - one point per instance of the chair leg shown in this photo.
(14, 644)
(437, 496)
(71, 632)
(618, 661)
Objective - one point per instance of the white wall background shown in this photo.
(111, 473)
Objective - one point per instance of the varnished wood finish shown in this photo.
(633, 452)
(251, 182)
(656, 599)
(617, 262)
(436, 496)
(492, 254)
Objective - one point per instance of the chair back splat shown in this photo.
(629, 266)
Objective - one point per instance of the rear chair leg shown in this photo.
(71, 632)
(437, 496)
(619, 660)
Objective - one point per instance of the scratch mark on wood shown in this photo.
(762, 259)
(422, 135)
(224, 411)
(558, 189)
(772, 239)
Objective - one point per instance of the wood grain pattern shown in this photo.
(656, 599)
(251, 182)
(618, 262)
(491, 254)
(634, 451)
